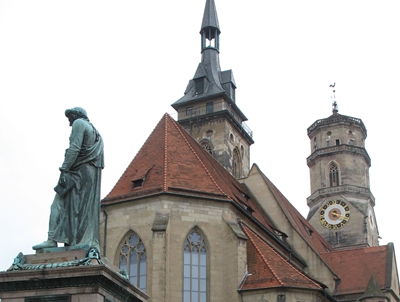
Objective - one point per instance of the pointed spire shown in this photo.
(210, 18)
(210, 27)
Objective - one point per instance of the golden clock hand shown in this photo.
(337, 215)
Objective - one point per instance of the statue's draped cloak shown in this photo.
(75, 217)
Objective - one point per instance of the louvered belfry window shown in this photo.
(195, 268)
(199, 85)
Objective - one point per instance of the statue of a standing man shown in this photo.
(74, 215)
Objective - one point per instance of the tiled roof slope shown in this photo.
(171, 161)
(268, 269)
(305, 229)
(356, 266)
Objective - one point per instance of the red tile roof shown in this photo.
(356, 266)
(306, 230)
(168, 163)
(171, 161)
(269, 269)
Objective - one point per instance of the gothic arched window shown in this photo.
(333, 175)
(236, 163)
(132, 258)
(206, 145)
(195, 268)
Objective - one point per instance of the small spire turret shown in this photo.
(210, 27)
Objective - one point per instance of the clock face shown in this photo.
(334, 214)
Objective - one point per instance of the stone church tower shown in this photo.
(341, 203)
(208, 110)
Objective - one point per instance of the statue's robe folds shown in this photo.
(74, 217)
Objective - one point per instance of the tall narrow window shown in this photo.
(209, 107)
(195, 268)
(132, 258)
(236, 163)
(333, 175)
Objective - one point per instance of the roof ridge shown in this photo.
(275, 252)
(198, 158)
(165, 152)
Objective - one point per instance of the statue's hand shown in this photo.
(62, 181)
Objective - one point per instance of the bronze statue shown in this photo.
(92, 257)
(74, 214)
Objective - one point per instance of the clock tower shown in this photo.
(341, 203)
(208, 109)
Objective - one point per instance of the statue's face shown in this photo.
(71, 118)
(93, 253)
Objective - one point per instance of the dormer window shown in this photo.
(199, 85)
(281, 235)
(140, 177)
(310, 232)
(138, 182)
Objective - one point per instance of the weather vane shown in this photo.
(335, 108)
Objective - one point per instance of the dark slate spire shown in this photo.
(209, 81)
(210, 18)
(210, 27)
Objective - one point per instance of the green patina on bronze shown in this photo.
(74, 216)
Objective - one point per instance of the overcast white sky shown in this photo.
(125, 62)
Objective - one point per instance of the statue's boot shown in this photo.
(45, 244)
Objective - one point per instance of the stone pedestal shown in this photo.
(66, 275)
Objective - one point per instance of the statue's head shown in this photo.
(20, 259)
(93, 253)
(75, 113)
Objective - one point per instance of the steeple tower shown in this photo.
(341, 203)
(208, 109)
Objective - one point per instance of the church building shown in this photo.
(192, 220)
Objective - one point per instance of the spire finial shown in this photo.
(335, 108)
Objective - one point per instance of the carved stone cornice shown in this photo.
(334, 150)
(337, 119)
(347, 190)
(91, 277)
